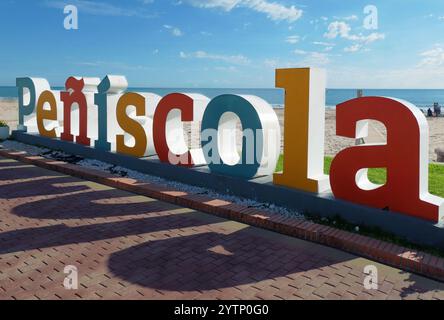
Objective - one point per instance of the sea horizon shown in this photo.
(422, 98)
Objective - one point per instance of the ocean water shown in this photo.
(420, 97)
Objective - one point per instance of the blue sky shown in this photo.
(225, 43)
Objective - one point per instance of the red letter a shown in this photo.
(405, 156)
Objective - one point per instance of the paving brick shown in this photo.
(151, 249)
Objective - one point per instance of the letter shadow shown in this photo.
(190, 263)
(198, 262)
(94, 204)
(215, 261)
(60, 235)
(21, 171)
(40, 187)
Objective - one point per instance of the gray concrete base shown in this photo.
(260, 189)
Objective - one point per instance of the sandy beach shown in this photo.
(333, 143)
(9, 112)
(377, 134)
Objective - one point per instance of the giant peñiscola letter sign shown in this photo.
(102, 115)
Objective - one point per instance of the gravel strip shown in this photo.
(125, 172)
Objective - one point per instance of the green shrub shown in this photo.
(3, 123)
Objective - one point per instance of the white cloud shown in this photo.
(433, 57)
(325, 44)
(337, 28)
(432, 16)
(112, 65)
(428, 73)
(403, 78)
(234, 59)
(226, 5)
(100, 8)
(313, 58)
(173, 30)
(271, 63)
(353, 48)
(343, 30)
(274, 10)
(226, 69)
(372, 37)
(293, 39)
(306, 59)
(316, 59)
(352, 17)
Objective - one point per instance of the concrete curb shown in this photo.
(380, 251)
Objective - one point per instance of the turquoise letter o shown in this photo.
(250, 121)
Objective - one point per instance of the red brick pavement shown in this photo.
(132, 247)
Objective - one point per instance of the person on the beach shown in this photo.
(437, 109)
